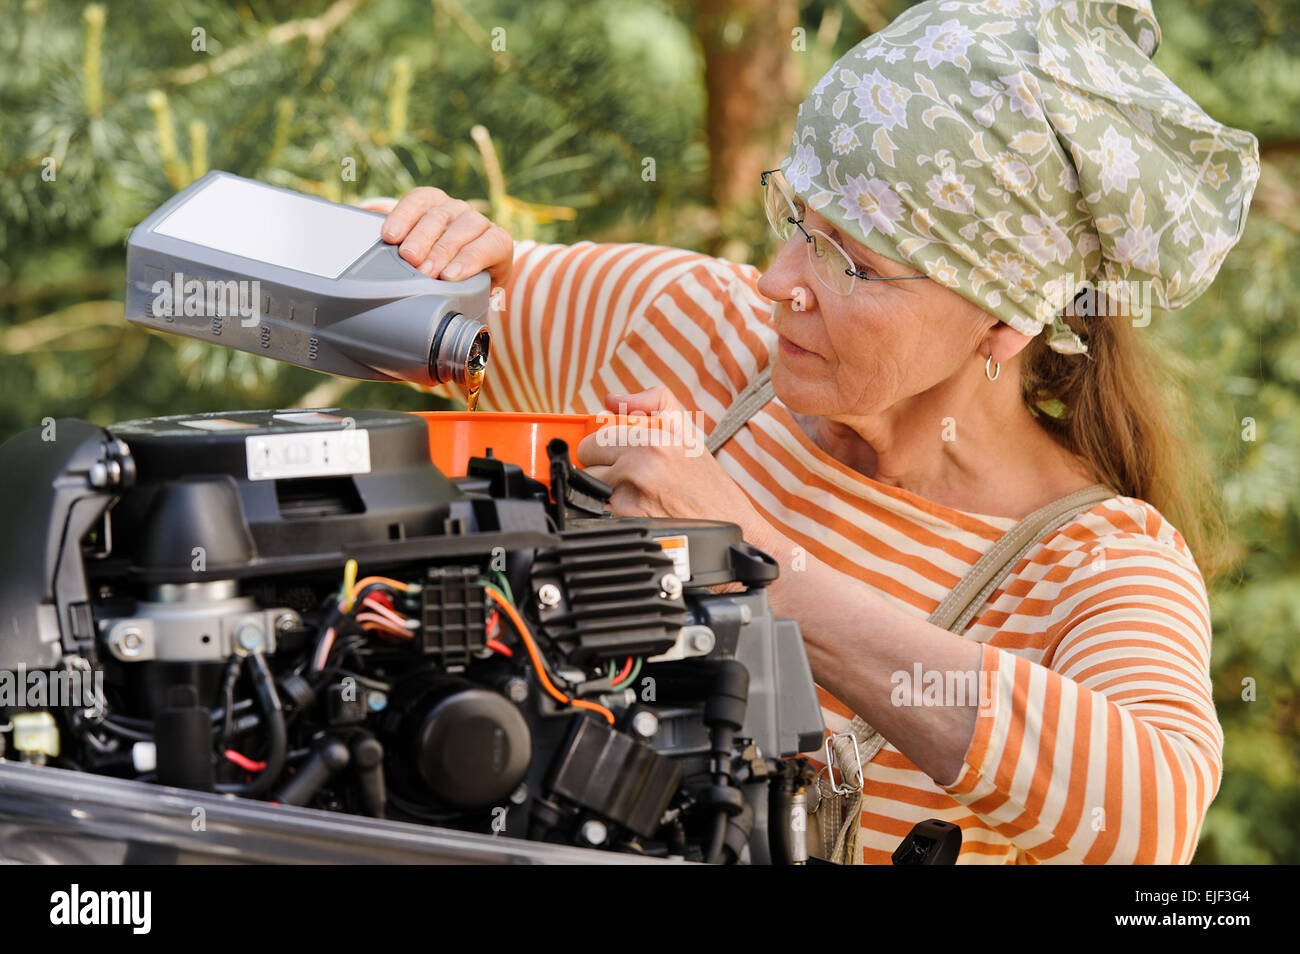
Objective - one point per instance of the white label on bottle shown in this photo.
(265, 224)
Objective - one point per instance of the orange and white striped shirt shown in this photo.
(1099, 742)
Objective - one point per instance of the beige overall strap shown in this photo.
(954, 614)
(970, 595)
(748, 403)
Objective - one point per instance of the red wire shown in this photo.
(382, 598)
(244, 762)
(498, 646)
(627, 668)
(397, 619)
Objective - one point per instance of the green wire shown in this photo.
(505, 586)
(636, 668)
(489, 585)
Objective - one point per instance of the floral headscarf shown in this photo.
(1014, 150)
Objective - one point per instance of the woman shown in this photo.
(951, 181)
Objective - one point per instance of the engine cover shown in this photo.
(297, 606)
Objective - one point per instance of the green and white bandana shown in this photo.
(1019, 151)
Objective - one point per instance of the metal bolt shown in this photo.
(617, 700)
(517, 690)
(98, 474)
(286, 621)
(376, 700)
(671, 586)
(702, 641)
(249, 637)
(746, 614)
(128, 642)
(549, 595)
(645, 723)
(519, 795)
(594, 832)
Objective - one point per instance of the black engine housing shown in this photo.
(196, 558)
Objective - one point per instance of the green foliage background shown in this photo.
(118, 102)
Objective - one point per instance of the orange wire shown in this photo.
(545, 680)
(372, 622)
(361, 584)
(594, 707)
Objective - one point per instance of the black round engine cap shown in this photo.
(473, 748)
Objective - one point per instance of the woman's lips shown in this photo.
(793, 350)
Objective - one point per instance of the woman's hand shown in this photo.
(677, 478)
(444, 237)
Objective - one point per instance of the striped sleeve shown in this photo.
(1109, 749)
(583, 320)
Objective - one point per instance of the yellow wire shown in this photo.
(349, 578)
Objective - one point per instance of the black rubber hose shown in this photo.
(264, 682)
(234, 666)
(126, 732)
(780, 804)
(724, 714)
(146, 725)
(329, 756)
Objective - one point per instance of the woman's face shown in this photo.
(859, 354)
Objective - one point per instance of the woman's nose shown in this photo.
(784, 279)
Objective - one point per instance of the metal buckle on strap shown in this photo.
(846, 789)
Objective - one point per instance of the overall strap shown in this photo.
(859, 745)
(970, 595)
(748, 403)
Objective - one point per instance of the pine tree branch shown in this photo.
(473, 29)
(83, 319)
(91, 283)
(313, 28)
(328, 393)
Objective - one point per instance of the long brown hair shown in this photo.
(1125, 415)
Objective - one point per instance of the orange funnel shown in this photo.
(516, 438)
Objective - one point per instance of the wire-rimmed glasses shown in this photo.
(830, 262)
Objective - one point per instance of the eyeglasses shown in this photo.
(830, 263)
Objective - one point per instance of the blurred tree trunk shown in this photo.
(752, 81)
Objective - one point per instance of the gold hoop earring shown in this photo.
(992, 375)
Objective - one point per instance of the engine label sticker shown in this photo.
(216, 424)
(313, 417)
(678, 548)
(309, 454)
